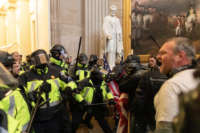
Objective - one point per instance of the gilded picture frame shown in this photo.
(172, 14)
(127, 30)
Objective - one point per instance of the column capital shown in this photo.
(12, 1)
(21, 0)
(2, 12)
(11, 6)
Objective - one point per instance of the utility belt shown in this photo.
(46, 113)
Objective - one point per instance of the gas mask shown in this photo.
(83, 60)
(59, 52)
(63, 54)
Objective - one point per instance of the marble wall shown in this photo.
(68, 24)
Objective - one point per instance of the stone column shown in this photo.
(11, 22)
(42, 21)
(2, 27)
(23, 26)
(95, 11)
(33, 27)
(54, 19)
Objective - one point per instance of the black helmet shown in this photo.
(28, 58)
(96, 76)
(39, 58)
(82, 59)
(132, 58)
(6, 59)
(7, 81)
(58, 50)
(93, 59)
(132, 64)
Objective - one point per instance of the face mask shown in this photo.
(40, 59)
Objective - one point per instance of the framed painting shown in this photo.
(152, 22)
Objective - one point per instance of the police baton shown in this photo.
(79, 47)
(96, 104)
(33, 112)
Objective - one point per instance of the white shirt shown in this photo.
(166, 100)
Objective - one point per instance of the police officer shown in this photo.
(57, 60)
(76, 103)
(42, 83)
(95, 92)
(82, 71)
(14, 112)
(92, 61)
(58, 56)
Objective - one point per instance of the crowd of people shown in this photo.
(53, 94)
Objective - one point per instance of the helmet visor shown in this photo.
(40, 59)
(7, 81)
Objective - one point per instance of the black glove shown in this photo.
(64, 77)
(46, 87)
(83, 105)
(32, 96)
(111, 102)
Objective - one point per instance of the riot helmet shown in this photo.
(6, 59)
(83, 59)
(93, 60)
(28, 59)
(39, 58)
(96, 76)
(132, 64)
(57, 51)
(132, 58)
(116, 72)
(7, 81)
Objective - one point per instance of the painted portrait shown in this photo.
(155, 21)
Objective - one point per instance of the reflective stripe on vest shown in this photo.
(32, 86)
(86, 92)
(12, 106)
(2, 130)
(25, 127)
(57, 83)
(50, 104)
